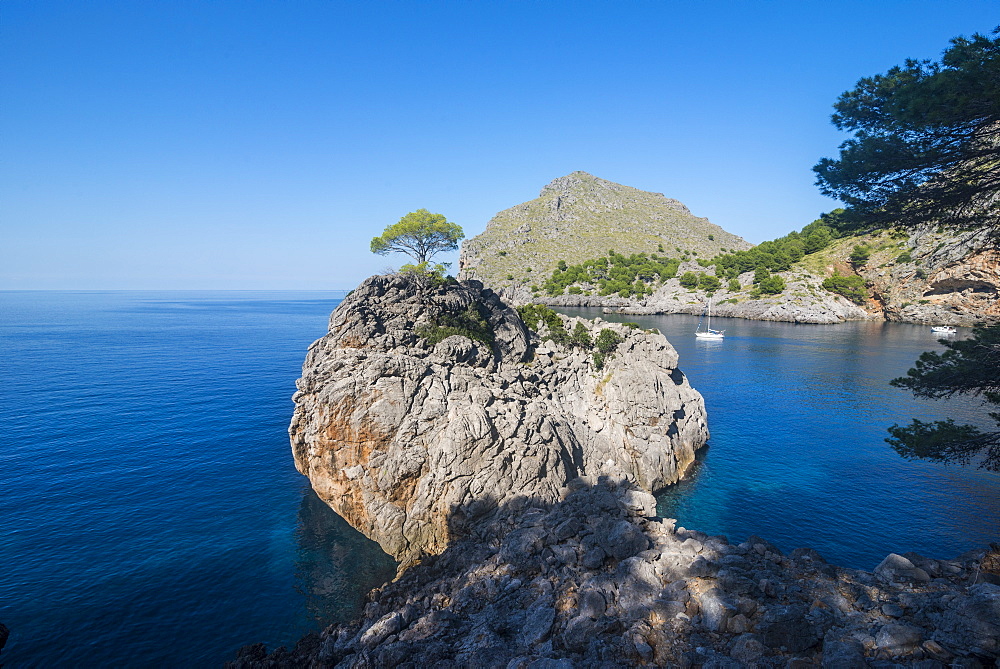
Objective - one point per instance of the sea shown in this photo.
(151, 514)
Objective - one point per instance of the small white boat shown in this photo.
(943, 329)
(709, 333)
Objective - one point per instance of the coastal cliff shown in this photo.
(511, 474)
(429, 405)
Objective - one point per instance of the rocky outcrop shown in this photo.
(951, 278)
(413, 442)
(579, 217)
(595, 579)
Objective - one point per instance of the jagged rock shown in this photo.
(412, 443)
(469, 606)
(585, 576)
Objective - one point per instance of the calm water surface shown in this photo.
(150, 514)
(798, 417)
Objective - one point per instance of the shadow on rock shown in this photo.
(596, 580)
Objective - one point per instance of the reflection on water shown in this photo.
(336, 565)
(798, 417)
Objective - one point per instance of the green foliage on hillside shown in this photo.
(779, 255)
(607, 341)
(537, 315)
(627, 276)
(852, 287)
(860, 254)
(689, 280)
(772, 285)
(469, 323)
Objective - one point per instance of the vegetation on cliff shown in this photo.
(420, 235)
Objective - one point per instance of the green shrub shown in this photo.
(772, 285)
(581, 337)
(631, 326)
(852, 287)
(469, 323)
(575, 290)
(607, 340)
(709, 283)
(860, 254)
(598, 360)
(734, 285)
(904, 257)
(536, 315)
(689, 280)
(502, 253)
(711, 238)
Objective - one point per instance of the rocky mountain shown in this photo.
(932, 275)
(427, 406)
(578, 217)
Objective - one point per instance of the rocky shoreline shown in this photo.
(510, 470)
(595, 580)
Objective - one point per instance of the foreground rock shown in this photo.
(594, 580)
(413, 442)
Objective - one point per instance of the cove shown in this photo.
(798, 417)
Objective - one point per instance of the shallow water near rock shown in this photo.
(150, 514)
(798, 417)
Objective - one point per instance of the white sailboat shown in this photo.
(709, 333)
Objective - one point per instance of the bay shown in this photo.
(150, 513)
(798, 416)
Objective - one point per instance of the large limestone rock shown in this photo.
(412, 442)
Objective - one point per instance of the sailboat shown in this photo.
(709, 333)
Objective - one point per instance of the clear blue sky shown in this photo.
(261, 145)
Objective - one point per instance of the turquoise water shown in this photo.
(798, 417)
(150, 513)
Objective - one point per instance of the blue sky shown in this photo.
(261, 145)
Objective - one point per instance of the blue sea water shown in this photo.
(798, 416)
(150, 513)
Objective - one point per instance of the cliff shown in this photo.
(428, 406)
(512, 477)
(578, 217)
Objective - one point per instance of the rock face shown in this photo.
(593, 581)
(952, 279)
(413, 443)
(579, 217)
